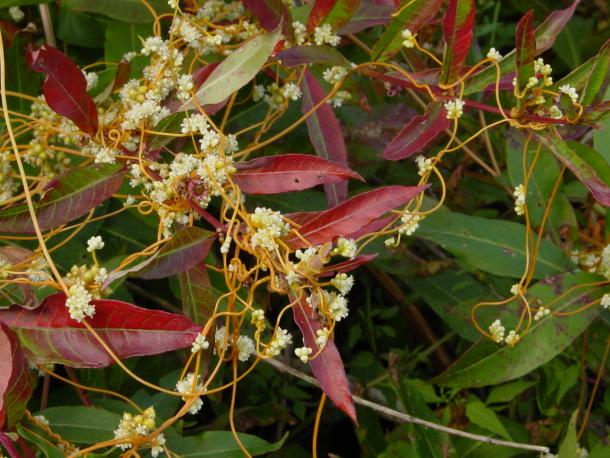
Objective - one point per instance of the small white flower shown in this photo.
(555, 112)
(173, 4)
(224, 248)
(324, 34)
(95, 243)
(497, 331)
(343, 282)
(512, 338)
(515, 289)
(410, 223)
(322, 336)
(245, 348)
(519, 194)
(92, 79)
(79, 303)
(541, 313)
(200, 343)
(292, 278)
(300, 32)
(455, 108)
(533, 81)
(291, 91)
(494, 55)
(345, 247)
(409, 39)
(334, 74)
(340, 96)
(337, 305)
(185, 386)
(569, 91)
(605, 301)
(41, 419)
(159, 443)
(424, 165)
(16, 14)
(303, 353)
(221, 339)
(541, 68)
(390, 243)
(281, 340)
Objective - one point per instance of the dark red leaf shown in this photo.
(368, 14)
(420, 131)
(189, 246)
(51, 336)
(340, 13)
(320, 10)
(122, 75)
(68, 197)
(351, 215)
(526, 49)
(325, 134)
(552, 25)
(270, 13)
(349, 265)
(65, 87)
(299, 55)
(458, 30)
(15, 380)
(327, 367)
(289, 172)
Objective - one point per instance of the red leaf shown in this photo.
(458, 31)
(68, 197)
(349, 216)
(420, 131)
(189, 246)
(122, 75)
(325, 134)
(51, 336)
(15, 381)
(526, 48)
(552, 25)
(65, 87)
(327, 367)
(340, 13)
(349, 265)
(320, 10)
(270, 13)
(368, 14)
(289, 172)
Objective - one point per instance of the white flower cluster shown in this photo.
(269, 225)
(497, 331)
(334, 74)
(519, 194)
(322, 337)
(79, 303)
(570, 92)
(200, 343)
(133, 426)
(303, 353)
(454, 108)
(280, 341)
(345, 247)
(324, 34)
(16, 13)
(300, 32)
(343, 282)
(186, 386)
(424, 165)
(410, 222)
(245, 348)
(339, 98)
(408, 39)
(7, 183)
(604, 262)
(276, 96)
(336, 304)
(95, 243)
(494, 55)
(541, 313)
(605, 301)
(515, 289)
(92, 79)
(512, 338)
(258, 320)
(543, 71)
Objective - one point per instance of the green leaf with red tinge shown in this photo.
(598, 77)
(197, 293)
(587, 167)
(15, 380)
(418, 132)
(413, 17)
(327, 367)
(48, 334)
(289, 172)
(458, 30)
(325, 133)
(65, 87)
(299, 55)
(545, 35)
(487, 363)
(68, 197)
(526, 49)
(188, 246)
(351, 215)
(341, 13)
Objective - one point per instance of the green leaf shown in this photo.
(124, 10)
(494, 246)
(122, 38)
(43, 444)
(237, 70)
(84, 425)
(508, 391)
(569, 444)
(19, 76)
(197, 294)
(429, 443)
(482, 416)
(487, 363)
(80, 29)
(589, 167)
(340, 13)
(598, 75)
(219, 444)
(416, 14)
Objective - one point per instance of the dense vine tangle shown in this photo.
(179, 192)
